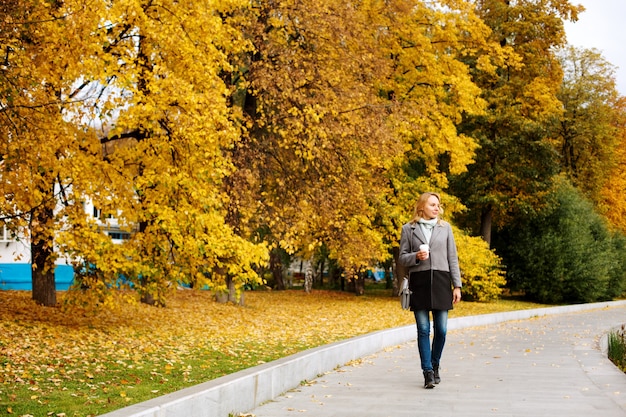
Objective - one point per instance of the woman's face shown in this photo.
(431, 209)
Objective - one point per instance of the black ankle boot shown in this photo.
(429, 379)
(436, 374)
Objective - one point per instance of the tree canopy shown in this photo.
(588, 132)
(224, 137)
(516, 161)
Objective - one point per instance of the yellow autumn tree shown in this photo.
(589, 131)
(612, 203)
(43, 153)
(122, 104)
(341, 101)
(431, 89)
(166, 150)
(300, 124)
(317, 143)
(482, 272)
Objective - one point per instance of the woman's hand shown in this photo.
(456, 295)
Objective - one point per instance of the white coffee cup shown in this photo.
(425, 248)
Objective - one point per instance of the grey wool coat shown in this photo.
(431, 281)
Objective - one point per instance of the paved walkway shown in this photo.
(545, 366)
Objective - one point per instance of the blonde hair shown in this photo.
(418, 211)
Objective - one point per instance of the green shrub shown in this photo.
(566, 254)
(617, 348)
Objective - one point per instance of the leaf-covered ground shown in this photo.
(60, 362)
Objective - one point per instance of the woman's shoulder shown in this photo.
(443, 223)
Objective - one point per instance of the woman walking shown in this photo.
(428, 250)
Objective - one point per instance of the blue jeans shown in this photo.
(430, 357)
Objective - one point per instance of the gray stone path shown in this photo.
(543, 366)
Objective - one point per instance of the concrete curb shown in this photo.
(247, 389)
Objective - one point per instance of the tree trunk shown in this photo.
(321, 266)
(148, 298)
(308, 278)
(44, 291)
(150, 294)
(230, 295)
(276, 267)
(333, 276)
(232, 291)
(359, 283)
(399, 271)
(485, 224)
(147, 294)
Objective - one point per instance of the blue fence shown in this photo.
(19, 277)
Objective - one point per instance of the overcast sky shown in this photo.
(602, 26)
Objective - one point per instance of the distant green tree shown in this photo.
(516, 161)
(564, 254)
